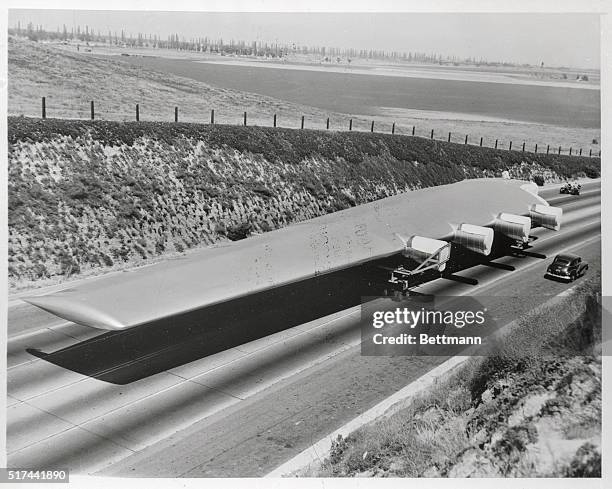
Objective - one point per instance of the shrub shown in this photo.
(263, 190)
(539, 180)
(127, 210)
(238, 231)
(586, 462)
(516, 439)
(338, 447)
(555, 406)
(76, 191)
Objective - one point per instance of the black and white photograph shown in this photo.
(305, 243)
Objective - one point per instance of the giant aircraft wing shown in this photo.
(294, 253)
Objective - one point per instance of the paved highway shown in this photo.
(212, 395)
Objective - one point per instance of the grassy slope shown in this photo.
(531, 410)
(96, 195)
(70, 80)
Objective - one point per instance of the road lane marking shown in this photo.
(37, 331)
(183, 382)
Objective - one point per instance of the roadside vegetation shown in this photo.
(86, 196)
(531, 409)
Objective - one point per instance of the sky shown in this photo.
(558, 39)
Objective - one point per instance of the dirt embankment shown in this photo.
(88, 196)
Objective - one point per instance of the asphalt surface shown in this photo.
(233, 392)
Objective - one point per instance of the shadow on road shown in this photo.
(499, 266)
(121, 357)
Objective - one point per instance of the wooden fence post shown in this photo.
(523, 146)
(536, 148)
(559, 149)
(580, 152)
(466, 137)
(44, 108)
(590, 152)
(431, 134)
(245, 118)
(212, 116)
(302, 126)
(92, 110)
(372, 127)
(547, 148)
(570, 151)
(510, 146)
(449, 137)
(393, 128)
(274, 122)
(175, 114)
(481, 141)
(137, 112)
(413, 129)
(350, 124)
(327, 124)
(496, 144)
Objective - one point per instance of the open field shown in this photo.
(70, 80)
(87, 196)
(352, 93)
(529, 75)
(509, 76)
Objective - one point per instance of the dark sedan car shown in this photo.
(567, 266)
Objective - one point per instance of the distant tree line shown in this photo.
(233, 47)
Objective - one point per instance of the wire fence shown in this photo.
(392, 128)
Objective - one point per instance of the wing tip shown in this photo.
(75, 311)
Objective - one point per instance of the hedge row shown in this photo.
(292, 146)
